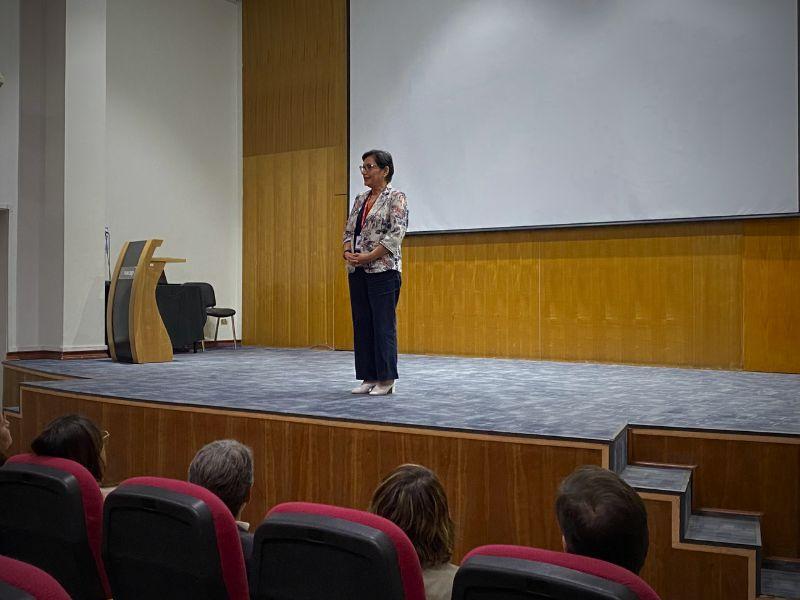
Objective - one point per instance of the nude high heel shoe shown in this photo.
(365, 388)
(383, 388)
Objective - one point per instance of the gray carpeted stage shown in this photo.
(518, 397)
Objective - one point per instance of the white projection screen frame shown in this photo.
(534, 113)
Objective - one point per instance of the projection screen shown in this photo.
(526, 113)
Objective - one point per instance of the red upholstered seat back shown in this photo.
(91, 497)
(407, 559)
(576, 562)
(227, 536)
(31, 580)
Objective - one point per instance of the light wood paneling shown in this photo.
(772, 295)
(749, 473)
(292, 223)
(634, 294)
(12, 378)
(294, 76)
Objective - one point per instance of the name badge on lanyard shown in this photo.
(357, 243)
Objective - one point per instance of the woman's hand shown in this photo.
(358, 259)
(352, 258)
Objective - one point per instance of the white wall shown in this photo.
(9, 101)
(174, 136)
(117, 113)
(84, 174)
(37, 233)
(9, 133)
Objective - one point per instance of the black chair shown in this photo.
(212, 310)
(164, 538)
(320, 552)
(51, 517)
(516, 572)
(183, 313)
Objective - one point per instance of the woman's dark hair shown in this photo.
(383, 159)
(412, 498)
(73, 437)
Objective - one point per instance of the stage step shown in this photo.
(663, 480)
(707, 527)
(671, 480)
(780, 579)
(740, 531)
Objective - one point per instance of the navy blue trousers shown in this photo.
(373, 300)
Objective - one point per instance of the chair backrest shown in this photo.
(207, 292)
(321, 552)
(171, 539)
(21, 581)
(516, 572)
(51, 517)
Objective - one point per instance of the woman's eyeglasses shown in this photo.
(367, 167)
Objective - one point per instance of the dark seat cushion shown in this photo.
(220, 312)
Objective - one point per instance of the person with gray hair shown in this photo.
(225, 467)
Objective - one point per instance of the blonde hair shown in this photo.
(412, 497)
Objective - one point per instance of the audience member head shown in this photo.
(412, 498)
(5, 437)
(74, 437)
(225, 467)
(603, 517)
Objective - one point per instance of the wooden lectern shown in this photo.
(136, 333)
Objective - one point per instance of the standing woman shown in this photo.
(372, 239)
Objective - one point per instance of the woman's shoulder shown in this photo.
(439, 580)
(396, 195)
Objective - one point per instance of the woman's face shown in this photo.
(5, 434)
(373, 175)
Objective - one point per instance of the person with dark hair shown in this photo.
(603, 517)
(412, 497)
(76, 438)
(225, 467)
(372, 238)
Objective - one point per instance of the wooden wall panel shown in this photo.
(290, 226)
(736, 473)
(294, 75)
(634, 294)
(707, 294)
(772, 295)
(502, 489)
(14, 376)
(688, 571)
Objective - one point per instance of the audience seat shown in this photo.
(320, 552)
(517, 572)
(171, 539)
(51, 517)
(21, 581)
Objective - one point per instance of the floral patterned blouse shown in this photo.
(385, 224)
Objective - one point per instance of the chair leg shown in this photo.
(203, 344)
(233, 326)
(216, 331)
